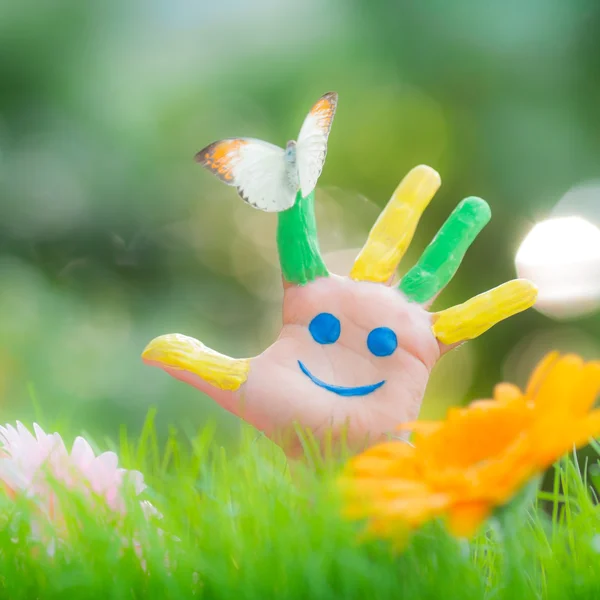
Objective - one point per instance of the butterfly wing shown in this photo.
(312, 141)
(257, 169)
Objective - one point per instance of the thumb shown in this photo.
(189, 360)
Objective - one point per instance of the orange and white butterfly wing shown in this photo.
(311, 149)
(257, 169)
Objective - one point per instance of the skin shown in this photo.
(277, 394)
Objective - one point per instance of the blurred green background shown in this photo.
(110, 234)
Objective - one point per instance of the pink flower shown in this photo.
(28, 465)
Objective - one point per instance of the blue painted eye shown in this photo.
(325, 328)
(382, 341)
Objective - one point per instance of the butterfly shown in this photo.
(267, 176)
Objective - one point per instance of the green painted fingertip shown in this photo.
(441, 259)
(297, 242)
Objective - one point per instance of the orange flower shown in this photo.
(480, 456)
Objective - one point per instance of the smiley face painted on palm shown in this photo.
(356, 338)
(325, 328)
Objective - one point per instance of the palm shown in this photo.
(347, 363)
(347, 381)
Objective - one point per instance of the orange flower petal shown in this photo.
(495, 479)
(482, 404)
(391, 487)
(507, 392)
(590, 426)
(391, 459)
(423, 427)
(586, 393)
(378, 467)
(414, 511)
(540, 372)
(465, 519)
(474, 435)
(567, 435)
(556, 389)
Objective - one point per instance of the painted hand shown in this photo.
(354, 354)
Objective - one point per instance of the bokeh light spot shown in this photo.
(562, 257)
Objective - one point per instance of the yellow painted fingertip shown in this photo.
(394, 229)
(179, 351)
(470, 319)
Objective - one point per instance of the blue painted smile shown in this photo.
(361, 390)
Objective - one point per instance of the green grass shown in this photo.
(238, 525)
